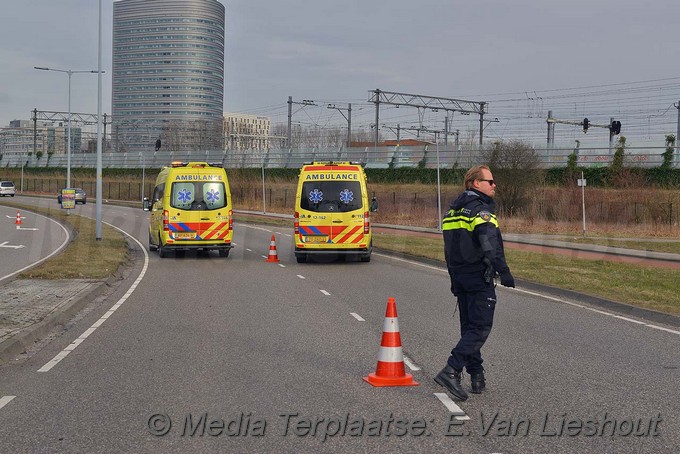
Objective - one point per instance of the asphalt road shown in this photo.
(276, 353)
(22, 245)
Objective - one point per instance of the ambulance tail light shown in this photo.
(296, 223)
(231, 220)
(367, 223)
(166, 220)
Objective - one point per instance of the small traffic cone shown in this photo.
(390, 369)
(273, 257)
(18, 221)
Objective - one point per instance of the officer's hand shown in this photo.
(506, 279)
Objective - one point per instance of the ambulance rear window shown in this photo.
(331, 196)
(197, 196)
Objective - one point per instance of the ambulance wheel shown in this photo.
(224, 253)
(301, 258)
(180, 253)
(162, 253)
(366, 258)
(152, 247)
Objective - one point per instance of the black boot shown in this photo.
(478, 383)
(449, 378)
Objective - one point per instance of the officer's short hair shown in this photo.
(475, 173)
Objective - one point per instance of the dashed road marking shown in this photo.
(301, 276)
(4, 400)
(357, 316)
(455, 410)
(282, 265)
(249, 250)
(410, 364)
(325, 292)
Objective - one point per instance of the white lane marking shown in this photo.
(452, 407)
(279, 233)
(325, 292)
(300, 276)
(4, 400)
(4, 244)
(410, 364)
(27, 228)
(282, 265)
(257, 228)
(663, 329)
(263, 256)
(357, 316)
(629, 320)
(65, 352)
(58, 250)
(287, 234)
(608, 314)
(540, 295)
(249, 250)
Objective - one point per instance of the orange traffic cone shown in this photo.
(273, 257)
(390, 369)
(18, 221)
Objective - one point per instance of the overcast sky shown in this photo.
(336, 51)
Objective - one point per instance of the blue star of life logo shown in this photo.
(346, 196)
(315, 196)
(213, 196)
(184, 196)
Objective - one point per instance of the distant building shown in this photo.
(246, 132)
(167, 74)
(20, 138)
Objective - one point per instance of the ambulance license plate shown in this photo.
(185, 235)
(316, 239)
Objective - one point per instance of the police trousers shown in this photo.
(476, 305)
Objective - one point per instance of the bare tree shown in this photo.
(517, 170)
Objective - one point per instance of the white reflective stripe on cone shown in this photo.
(391, 325)
(390, 355)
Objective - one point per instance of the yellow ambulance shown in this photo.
(332, 212)
(190, 209)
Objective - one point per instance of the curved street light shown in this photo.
(69, 72)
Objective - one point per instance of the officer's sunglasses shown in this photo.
(491, 182)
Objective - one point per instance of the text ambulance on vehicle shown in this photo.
(332, 211)
(190, 209)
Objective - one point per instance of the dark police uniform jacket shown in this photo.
(472, 239)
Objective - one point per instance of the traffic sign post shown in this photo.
(68, 199)
(582, 183)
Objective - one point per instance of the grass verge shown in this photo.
(84, 257)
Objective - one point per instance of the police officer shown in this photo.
(473, 248)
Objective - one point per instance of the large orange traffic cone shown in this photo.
(18, 221)
(390, 369)
(273, 257)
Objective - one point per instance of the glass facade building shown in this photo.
(167, 74)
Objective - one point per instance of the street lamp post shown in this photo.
(69, 72)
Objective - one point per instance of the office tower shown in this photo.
(167, 75)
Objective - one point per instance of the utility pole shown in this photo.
(377, 116)
(676, 160)
(290, 120)
(481, 123)
(611, 137)
(305, 102)
(35, 130)
(348, 118)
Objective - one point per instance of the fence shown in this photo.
(382, 157)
